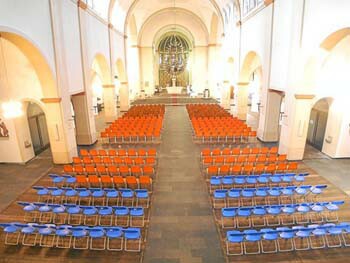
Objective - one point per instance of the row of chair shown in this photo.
(244, 160)
(144, 181)
(205, 111)
(238, 151)
(123, 170)
(266, 195)
(246, 181)
(93, 195)
(232, 136)
(107, 161)
(130, 152)
(74, 237)
(144, 111)
(285, 239)
(88, 215)
(275, 215)
(251, 169)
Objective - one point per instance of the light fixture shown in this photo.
(116, 84)
(173, 52)
(12, 109)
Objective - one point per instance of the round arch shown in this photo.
(120, 70)
(100, 66)
(250, 64)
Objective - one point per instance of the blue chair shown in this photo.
(244, 214)
(240, 180)
(127, 195)
(274, 194)
(215, 183)
(301, 192)
(316, 214)
(300, 178)
(69, 180)
(287, 179)
(63, 236)
(287, 196)
(286, 237)
(137, 214)
(234, 239)
(258, 219)
(56, 194)
(57, 180)
(219, 198)
(70, 195)
(317, 237)
(264, 179)
(80, 237)
(98, 195)
(90, 214)
(247, 196)
(317, 190)
(287, 216)
(261, 196)
(121, 215)
(228, 215)
(252, 180)
(111, 194)
(233, 196)
(30, 211)
(131, 236)
(273, 213)
(302, 235)
(47, 234)
(252, 238)
(332, 211)
(45, 212)
(275, 180)
(74, 214)
(142, 197)
(97, 238)
(114, 238)
(334, 235)
(105, 215)
(29, 234)
(42, 192)
(59, 214)
(227, 181)
(12, 233)
(302, 217)
(84, 195)
(269, 237)
(346, 233)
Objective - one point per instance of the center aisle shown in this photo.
(182, 227)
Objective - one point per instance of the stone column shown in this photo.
(225, 95)
(294, 126)
(61, 130)
(110, 105)
(124, 96)
(242, 100)
(84, 120)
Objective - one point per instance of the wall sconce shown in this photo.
(12, 109)
(259, 106)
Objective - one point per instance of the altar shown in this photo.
(174, 90)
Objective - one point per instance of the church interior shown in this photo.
(174, 131)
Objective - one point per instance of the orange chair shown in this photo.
(96, 160)
(101, 169)
(270, 168)
(205, 152)
(207, 161)
(131, 182)
(241, 159)
(264, 150)
(236, 169)
(216, 152)
(84, 153)
(152, 152)
(273, 150)
(145, 182)
(261, 159)
(292, 166)
(136, 170)
(93, 152)
(251, 159)
(141, 153)
(246, 151)
(68, 168)
(272, 158)
(139, 161)
(255, 151)
(87, 160)
(90, 169)
(128, 161)
(78, 169)
(112, 153)
(132, 152)
(112, 170)
(219, 160)
(107, 161)
(224, 170)
(236, 151)
(124, 170)
(248, 169)
(118, 161)
(94, 181)
(148, 170)
(226, 151)
(259, 168)
(106, 181)
(122, 153)
(281, 167)
(81, 180)
(102, 153)
(212, 170)
(76, 160)
(119, 181)
(151, 161)
(282, 157)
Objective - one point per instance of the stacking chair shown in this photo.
(269, 240)
(234, 243)
(90, 214)
(228, 215)
(285, 243)
(302, 238)
(80, 237)
(132, 236)
(29, 234)
(114, 238)
(252, 239)
(97, 238)
(47, 235)
(105, 215)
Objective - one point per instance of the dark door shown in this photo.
(317, 128)
(38, 133)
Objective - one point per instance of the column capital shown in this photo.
(82, 4)
(51, 100)
(304, 96)
(268, 2)
(109, 86)
(124, 83)
(242, 83)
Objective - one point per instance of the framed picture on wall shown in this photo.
(4, 132)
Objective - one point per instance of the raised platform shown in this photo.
(174, 90)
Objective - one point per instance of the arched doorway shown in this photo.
(318, 124)
(97, 94)
(254, 98)
(38, 128)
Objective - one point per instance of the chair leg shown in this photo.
(333, 241)
(12, 238)
(258, 221)
(304, 243)
(29, 239)
(267, 244)
(110, 243)
(138, 241)
(63, 242)
(317, 242)
(286, 241)
(98, 243)
(253, 252)
(81, 243)
(47, 240)
(231, 222)
(229, 249)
